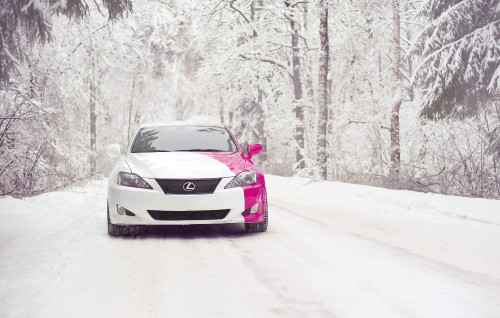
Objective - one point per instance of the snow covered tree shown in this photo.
(460, 51)
(32, 18)
(262, 72)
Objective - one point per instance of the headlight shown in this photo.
(242, 179)
(132, 180)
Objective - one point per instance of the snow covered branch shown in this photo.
(231, 4)
(450, 46)
(268, 59)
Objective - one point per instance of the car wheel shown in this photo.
(117, 230)
(259, 226)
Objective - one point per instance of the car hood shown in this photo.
(185, 165)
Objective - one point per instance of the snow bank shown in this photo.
(353, 197)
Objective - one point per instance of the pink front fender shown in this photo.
(253, 194)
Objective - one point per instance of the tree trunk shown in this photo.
(93, 130)
(131, 105)
(396, 91)
(92, 112)
(221, 109)
(261, 124)
(297, 89)
(308, 78)
(259, 107)
(324, 56)
(411, 94)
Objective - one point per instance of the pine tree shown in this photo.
(460, 51)
(32, 19)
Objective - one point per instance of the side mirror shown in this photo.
(114, 150)
(253, 149)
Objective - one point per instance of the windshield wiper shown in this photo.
(204, 150)
(151, 151)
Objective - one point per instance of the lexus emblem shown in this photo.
(188, 186)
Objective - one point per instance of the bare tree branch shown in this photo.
(297, 3)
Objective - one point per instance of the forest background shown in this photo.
(395, 93)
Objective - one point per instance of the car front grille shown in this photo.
(188, 215)
(178, 186)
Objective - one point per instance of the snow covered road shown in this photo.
(332, 250)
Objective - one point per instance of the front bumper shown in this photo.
(139, 201)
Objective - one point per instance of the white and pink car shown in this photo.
(182, 173)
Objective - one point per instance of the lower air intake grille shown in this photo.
(188, 186)
(188, 215)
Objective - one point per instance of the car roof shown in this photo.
(183, 123)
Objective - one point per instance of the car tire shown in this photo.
(117, 230)
(259, 226)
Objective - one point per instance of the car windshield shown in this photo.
(183, 138)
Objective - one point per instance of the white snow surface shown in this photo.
(332, 250)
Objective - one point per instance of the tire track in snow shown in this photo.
(470, 277)
(438, 275)
(319, 253)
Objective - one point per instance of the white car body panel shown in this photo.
(177, 165)
(172, 165)
(139, 201)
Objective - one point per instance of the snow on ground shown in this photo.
(332, 250)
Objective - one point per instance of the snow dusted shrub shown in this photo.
(458, 157)
(33, 160)
(466, 157)
(452, 156)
